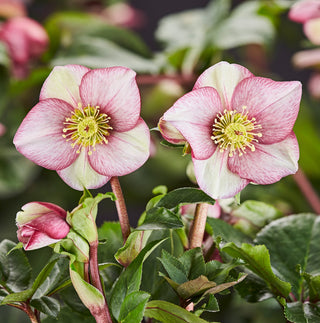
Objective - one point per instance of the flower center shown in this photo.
(86, 127)
(234, 131)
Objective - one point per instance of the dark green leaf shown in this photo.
(298, 312)
(313, 282)
(159, 218)
(46, 305)
(194, 263)
(15, 269)
(257, 259)
(133, 307)
(170, 313)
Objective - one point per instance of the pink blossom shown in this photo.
(314, 85)
(41, 224)
(214, 211)
(239, 128)
(12, 8)
(307, 12)
(26, 39)
(87, 126)
(3, 129)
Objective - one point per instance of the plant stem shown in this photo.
(306, 188)
(103, 317)
(27, 309)
(86, 272)
(121, 208)
(198, 226)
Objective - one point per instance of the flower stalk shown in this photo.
(198, 226)
(121, 208)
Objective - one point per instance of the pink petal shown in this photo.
(214, 177)
(193, 116)
(37, 240)
(170, 133)
(80, 174)
(268, 163)
(275, 105)
(115, 91)
(124, 153)
(312, 30)
(63, 83)
(39, 136)
(304, 10)
(224, 77)
(306, 58)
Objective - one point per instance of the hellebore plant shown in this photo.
(87, 127)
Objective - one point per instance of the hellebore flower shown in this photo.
(41, 224)
(239, 128)
(25, 39)
(87, 126)
(307, 12)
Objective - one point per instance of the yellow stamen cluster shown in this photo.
(234, 131)
(86, 127)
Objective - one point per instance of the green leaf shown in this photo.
(130, 279)
(293, 240)
(46, 305)
(174, 267)
(15, 269)
(194, 263)
(298, 312)
(133, 306)
(159, 218)
(27, 294)
(257, 259)
(134, 244)
(226, 231)
(170, 313)
(313, 282)
(185, 195)
(194, 287)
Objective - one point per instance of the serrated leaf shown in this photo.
(170, 313)
(185, 195)
(293, 240)
(195, 287)
(27, 294)
(194, 263)
(133, 306)
(298, 312)
(174, 267)
(15, 269)
(134, 244)
(130, 279)
(46, 305)
(257, 259)
(159, 218)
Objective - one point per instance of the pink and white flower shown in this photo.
(41, 224)
(87, 126)
(239, 128)
(307, 12)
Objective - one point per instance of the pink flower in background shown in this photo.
(26, 40)
(3, 129)
(12, 8)
(239, 128)
(307, 12)
(87, 126)
(41, 224)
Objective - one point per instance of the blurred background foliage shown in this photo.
(168, 44)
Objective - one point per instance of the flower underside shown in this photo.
(234, 131)
(87, 127)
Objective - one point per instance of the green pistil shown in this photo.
(87, 127)
(233, 131)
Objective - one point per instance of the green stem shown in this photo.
(121, 208)
(198, 226)
(104, 316)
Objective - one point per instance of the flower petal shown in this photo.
(312, 30)
(39, 136)
(124, 153)
(63, 83)
(170, 133)
(268, 163)
(80, 174)
(306, 58)
(304, 10)
(214, 177)
(35, 241)
(275, 105)
(224, 77)
(115, 91)
(193, 116)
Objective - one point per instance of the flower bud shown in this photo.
(41, 224)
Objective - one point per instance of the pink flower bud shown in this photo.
(41, 224)
(26, 39)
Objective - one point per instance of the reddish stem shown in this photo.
(101, 317)
(198, 226)
(121, 208)
(306, 188)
